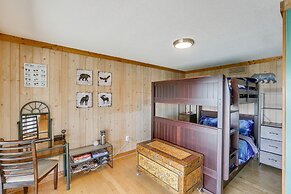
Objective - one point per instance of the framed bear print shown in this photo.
(104, 99)
(84, 100)
(84, 77)
(104, 78)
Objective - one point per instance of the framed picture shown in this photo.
(104, 99)
(104, 78)
(84, 77)
(84, 100)
(35, 75)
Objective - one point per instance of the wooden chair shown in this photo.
(19, 166)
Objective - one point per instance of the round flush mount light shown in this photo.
(183, 43)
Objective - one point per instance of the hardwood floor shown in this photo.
(253, 179)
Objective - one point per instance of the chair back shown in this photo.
(17, 159)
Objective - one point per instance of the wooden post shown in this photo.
(286, 70)
(68, 178)
(220, 126)
(153, 111)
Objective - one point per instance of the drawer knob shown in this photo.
(272, 159)
(273, 133)
(272, 146)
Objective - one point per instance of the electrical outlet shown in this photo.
(127, 138)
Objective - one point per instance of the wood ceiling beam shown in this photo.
(245, 63)
(19, 40)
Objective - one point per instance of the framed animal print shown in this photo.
(104, 78)
(104, 99)
(84, 100)
(84, 77)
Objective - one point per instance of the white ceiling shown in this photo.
(225, 31)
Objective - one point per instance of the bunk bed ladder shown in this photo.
(231, 128)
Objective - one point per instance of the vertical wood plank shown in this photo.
(25, 57)
(14, 90)
(64, 90)
(55, 90)
(73, 112)
(89, 119)
(5, 98)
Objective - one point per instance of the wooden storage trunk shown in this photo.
(176, 168)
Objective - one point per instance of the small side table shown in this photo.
(95, 156)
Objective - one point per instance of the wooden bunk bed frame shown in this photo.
(213, 142)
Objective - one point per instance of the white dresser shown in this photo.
(270, 133)
(271, 145)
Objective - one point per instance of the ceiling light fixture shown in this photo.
(183, 43)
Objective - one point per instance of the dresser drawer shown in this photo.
(271, 159)
(271, 133)
(271, 146)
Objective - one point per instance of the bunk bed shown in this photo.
(218, 143)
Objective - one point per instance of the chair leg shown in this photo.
(25, 190)
(56, 177)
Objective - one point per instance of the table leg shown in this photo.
(68, 177)
(65, 164)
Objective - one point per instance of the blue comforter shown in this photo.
(246, 149)
(246, 146)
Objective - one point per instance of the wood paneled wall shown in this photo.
(274, 91)
(131, 110)
(130, 113)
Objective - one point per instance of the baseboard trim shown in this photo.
(124, 154)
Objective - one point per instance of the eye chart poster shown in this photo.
(34, 75)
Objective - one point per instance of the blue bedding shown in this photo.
(209, 121)
(246, 146)
(245, 151)
(246, 127)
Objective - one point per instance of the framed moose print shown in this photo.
(104, 99)
(104, 78)
(84, 77)
(84, 100)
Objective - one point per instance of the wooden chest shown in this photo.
(176, 168)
